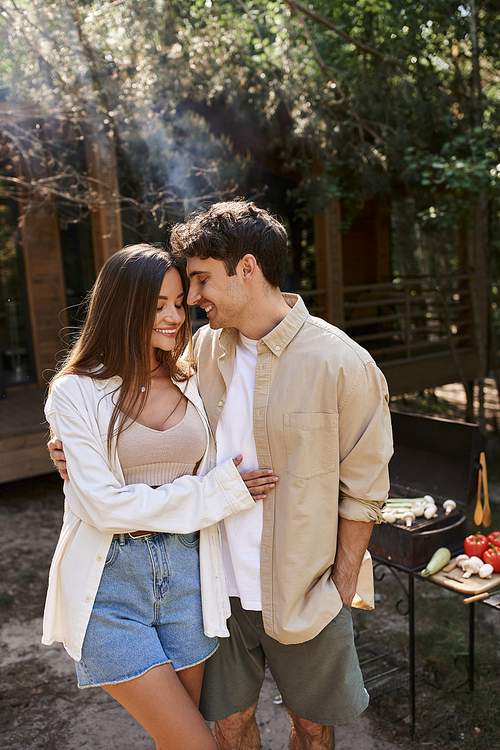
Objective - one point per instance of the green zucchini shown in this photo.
(439, 559)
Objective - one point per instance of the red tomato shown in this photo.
(492, 556)
(475, 544)
(494, 537)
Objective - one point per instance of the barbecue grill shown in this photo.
(437, 457)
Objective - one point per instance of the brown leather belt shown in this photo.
(134, 534)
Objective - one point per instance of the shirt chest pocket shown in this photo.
(311, 442)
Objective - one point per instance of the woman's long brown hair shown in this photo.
(116, 336)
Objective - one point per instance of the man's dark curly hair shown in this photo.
(228, 231)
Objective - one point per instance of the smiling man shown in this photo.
(290, 391)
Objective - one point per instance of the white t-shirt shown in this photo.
(241, 533)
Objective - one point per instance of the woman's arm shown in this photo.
(96, 496)
(258, 482)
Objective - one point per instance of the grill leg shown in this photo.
(411, 628)
(471, 645)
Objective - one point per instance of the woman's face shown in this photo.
(170, 314)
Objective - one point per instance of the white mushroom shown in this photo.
(389, 517)
(408, 517)
(472, 566)
(449, 505)
(485, 571)
(461, 559)
(418, 509)
(429, 499)
(430, 511)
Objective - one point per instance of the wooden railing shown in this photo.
(407, 318)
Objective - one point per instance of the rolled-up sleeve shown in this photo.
(365, 437)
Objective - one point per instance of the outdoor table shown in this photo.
(441, 580)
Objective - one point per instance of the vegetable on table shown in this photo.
(475, 545)
(494, 538)
(439, 559)
(492, 556)
(485, 571)
(472, 566)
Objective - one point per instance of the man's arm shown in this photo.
(352, 542)
(57, 457)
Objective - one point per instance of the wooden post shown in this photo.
(105, 216)
(41, 248)
(329, 267)
(44, 279)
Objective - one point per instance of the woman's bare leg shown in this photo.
(192, 679)
(160, 702)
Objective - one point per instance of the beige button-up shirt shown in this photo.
(322, 423)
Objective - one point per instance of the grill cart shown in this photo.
(441, 458)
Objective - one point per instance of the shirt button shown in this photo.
(221, 403)
(99, 558)
(278, 348)
(87, 598)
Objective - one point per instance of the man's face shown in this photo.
(222, 297)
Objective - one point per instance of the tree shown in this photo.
(113, 71)
(388, 95)
(351, 99)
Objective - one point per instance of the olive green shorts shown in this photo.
(319, 680)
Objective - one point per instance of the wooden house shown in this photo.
(421, 333)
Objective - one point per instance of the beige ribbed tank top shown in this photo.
(156, 457)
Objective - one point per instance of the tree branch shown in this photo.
(324, 67)
(361, 125)
(256, 28)
(294, 5)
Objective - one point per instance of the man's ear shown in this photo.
(248, 267)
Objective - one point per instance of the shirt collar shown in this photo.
(115, 381)
(278, 339)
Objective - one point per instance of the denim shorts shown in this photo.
(319, 680)
(147, 611)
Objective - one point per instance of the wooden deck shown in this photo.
(23, 435)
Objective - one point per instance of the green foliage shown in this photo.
(126, 72)
(355, 99)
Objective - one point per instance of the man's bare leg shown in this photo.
(309, 736)
(239, 731)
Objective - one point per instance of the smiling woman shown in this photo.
(129, 556)
(140, 290)
(170, 314)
